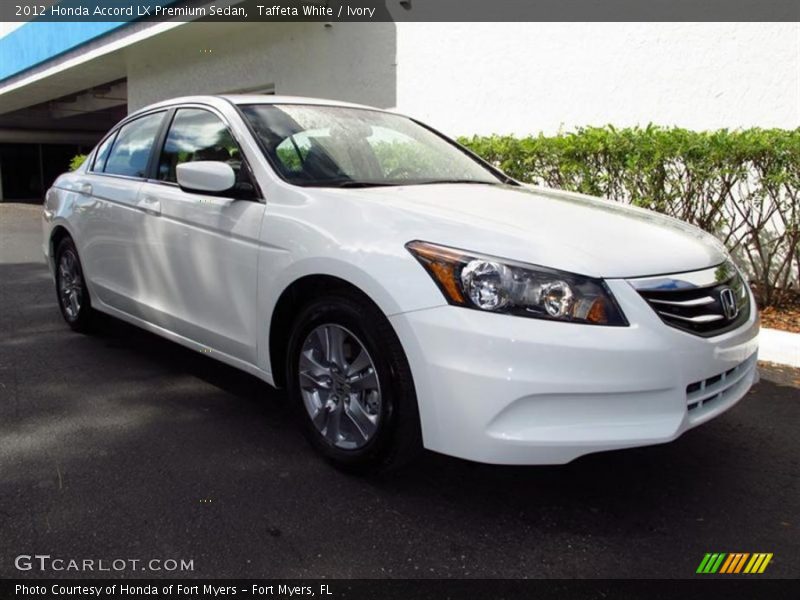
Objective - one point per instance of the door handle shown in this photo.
(150, 205)
(85, 189)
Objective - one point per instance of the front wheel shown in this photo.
(351, 384)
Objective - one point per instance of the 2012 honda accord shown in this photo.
(405, 292)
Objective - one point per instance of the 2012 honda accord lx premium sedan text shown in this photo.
(406, 293)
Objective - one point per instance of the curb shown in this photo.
(781, 347)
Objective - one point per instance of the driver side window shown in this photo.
(196, 134)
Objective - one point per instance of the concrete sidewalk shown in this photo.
(780, 347)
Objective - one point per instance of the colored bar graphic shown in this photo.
(721, 562)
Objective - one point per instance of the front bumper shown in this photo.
(509, 390)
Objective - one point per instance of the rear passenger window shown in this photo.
(197, 134)
(131, 150)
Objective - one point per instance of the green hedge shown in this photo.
(742, 186)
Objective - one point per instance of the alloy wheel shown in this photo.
(340, 388)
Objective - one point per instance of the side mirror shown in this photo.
(209, 176)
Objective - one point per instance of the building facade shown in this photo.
(63, 84)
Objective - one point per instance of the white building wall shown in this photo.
(523, 78)
(348, 61)
(481, 78)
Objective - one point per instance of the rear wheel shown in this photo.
(73, 295)
(351, 385)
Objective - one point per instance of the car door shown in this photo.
(108, 216)
(203, 248)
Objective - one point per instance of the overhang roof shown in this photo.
(93, 63)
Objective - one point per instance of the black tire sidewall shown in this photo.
(369, 325)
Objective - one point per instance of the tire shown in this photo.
(71, 291)
(349, 441)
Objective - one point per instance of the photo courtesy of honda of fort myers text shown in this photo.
(399, 299)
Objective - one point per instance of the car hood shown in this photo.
(561, 230)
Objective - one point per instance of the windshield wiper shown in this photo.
(355, 183)
(360, 184)
(442, 181)
(347, 183)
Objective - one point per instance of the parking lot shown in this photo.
(124, 445)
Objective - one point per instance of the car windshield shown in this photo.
(333, 146)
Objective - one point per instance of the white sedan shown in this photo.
(406, 293)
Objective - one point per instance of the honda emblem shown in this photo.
(728, 301)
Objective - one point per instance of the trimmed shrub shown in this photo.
(742, 186)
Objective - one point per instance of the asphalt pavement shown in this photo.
(121, 445)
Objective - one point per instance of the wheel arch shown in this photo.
(291, 301)
(58, 233)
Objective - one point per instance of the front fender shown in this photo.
(404, 287)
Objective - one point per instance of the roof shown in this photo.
(251, 99)
(272, 99)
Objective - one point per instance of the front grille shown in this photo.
(704, 303)
(708, 392)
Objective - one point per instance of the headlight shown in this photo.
(499, 285)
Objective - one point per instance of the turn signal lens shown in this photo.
(441, 263)
(498, 285)
(597, 313)
(446, 277)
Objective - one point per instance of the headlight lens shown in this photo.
(486, 284)
(498, 285)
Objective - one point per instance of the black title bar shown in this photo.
(400, 10)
